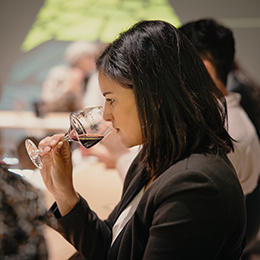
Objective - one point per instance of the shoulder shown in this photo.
(198, 175)
(209, 165)
(199, 187)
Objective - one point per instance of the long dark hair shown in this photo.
(181, 111)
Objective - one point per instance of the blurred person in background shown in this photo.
(239, 82)
(62, 91)
(216, 46)
(22, 213)
(65, 86)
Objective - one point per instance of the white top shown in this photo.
(126, 215)
(246, 155)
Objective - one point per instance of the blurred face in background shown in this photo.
(87, 64)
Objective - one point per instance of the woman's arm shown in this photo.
(57, 172)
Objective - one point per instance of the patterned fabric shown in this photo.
(22, 212)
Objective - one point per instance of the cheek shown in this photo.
(125, 121)
(134, 129)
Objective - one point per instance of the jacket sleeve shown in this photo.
(81, 227)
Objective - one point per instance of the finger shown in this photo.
(55, 139)
(62, 153)
(45, 150)
(44, 145)
(50, 141)
(62, 148)
(44, 142)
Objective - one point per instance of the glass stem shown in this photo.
(67, 137)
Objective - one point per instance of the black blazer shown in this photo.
(194, 210)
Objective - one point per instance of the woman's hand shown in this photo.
(57, 172)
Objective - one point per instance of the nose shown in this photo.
(107, 115)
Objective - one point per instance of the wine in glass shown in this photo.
(87, 127)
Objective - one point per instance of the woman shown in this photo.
(181, 197)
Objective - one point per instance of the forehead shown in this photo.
(105, 83)
(108, 86)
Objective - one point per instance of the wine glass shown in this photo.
(87, 127)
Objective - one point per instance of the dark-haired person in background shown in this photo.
(22, 213)
(216, 46)
(181, 198)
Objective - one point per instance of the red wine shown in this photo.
(89, 140)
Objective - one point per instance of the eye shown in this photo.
(110, 100)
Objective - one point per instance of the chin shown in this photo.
(130, 142)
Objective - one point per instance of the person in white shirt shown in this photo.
(216, 46)
(246, 155)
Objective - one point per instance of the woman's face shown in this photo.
(120, 109)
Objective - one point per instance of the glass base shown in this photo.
(33, 153)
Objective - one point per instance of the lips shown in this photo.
(115, 128)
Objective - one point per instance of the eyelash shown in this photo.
(110, 100)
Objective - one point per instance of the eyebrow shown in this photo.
(106, 93)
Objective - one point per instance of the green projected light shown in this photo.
(93, 20)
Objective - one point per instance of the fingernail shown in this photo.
(53, 142)
(59, 144)
(46, 149)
